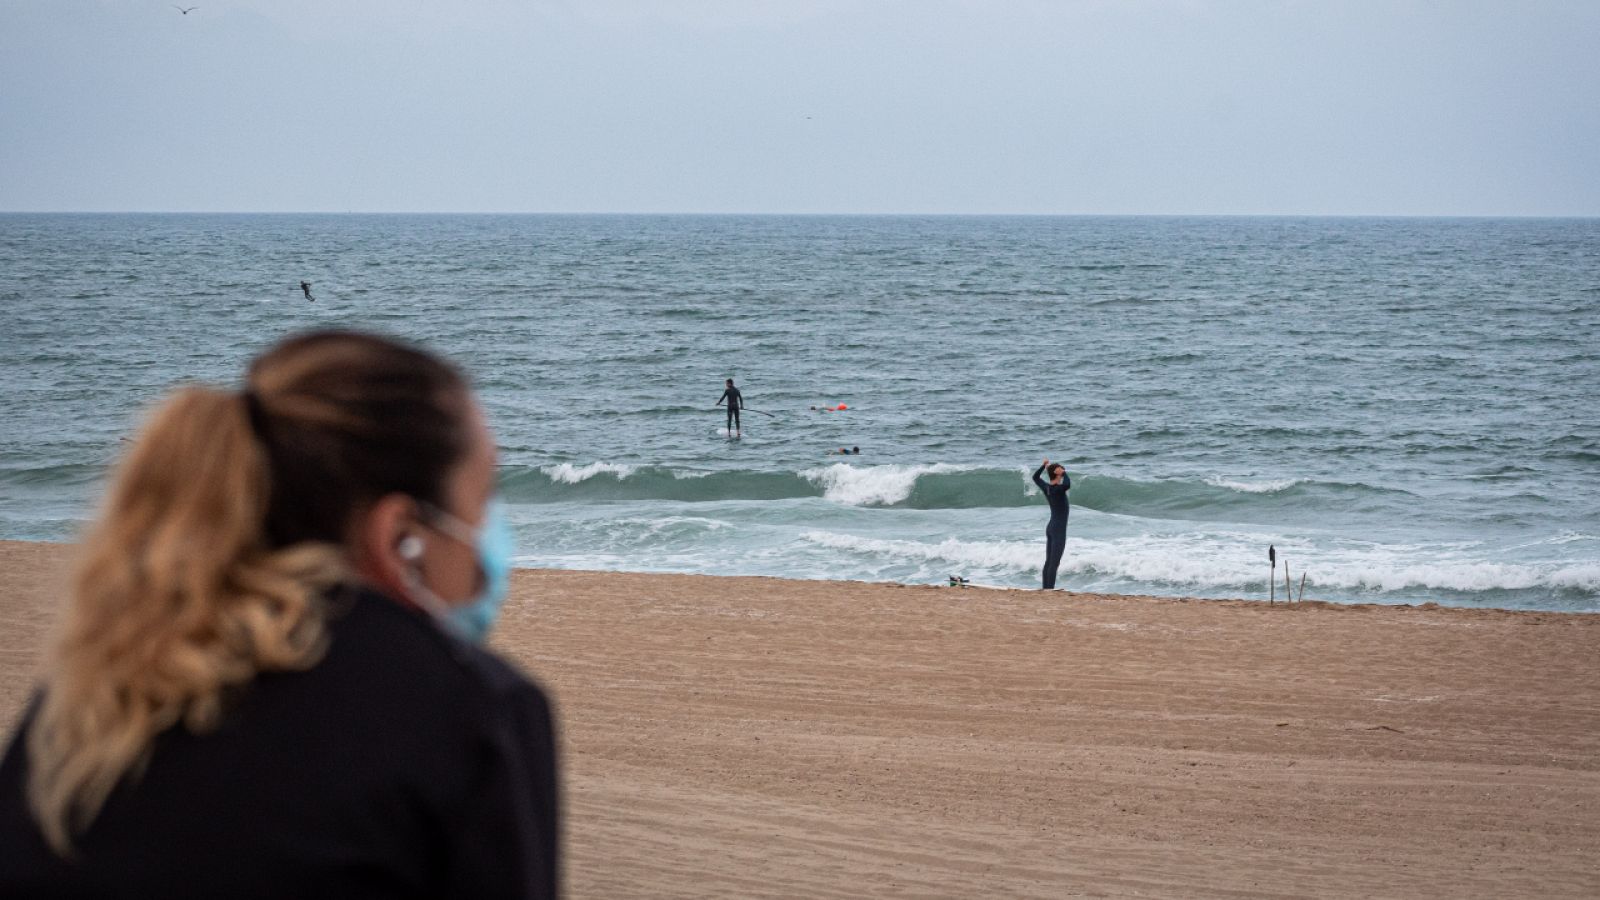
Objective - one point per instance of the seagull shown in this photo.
(185, 11)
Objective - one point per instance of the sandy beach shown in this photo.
(754, 737)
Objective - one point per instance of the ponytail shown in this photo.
(177, 597)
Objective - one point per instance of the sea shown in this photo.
(1406, 410)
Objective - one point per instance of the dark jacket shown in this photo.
(404, 764)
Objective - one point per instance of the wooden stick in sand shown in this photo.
(1302, 597)
(1288, 592)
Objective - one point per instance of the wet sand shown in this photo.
(755, 737)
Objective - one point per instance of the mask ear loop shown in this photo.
(454, 528)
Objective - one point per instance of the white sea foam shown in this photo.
(1178, 561)
(567, 473)
(1457, 575)
(872, 485)
(1229, 563)
(989, 555)
(1253, 487)
(1216, 564)
(1570, 537)
(1585, 576)
(677, 526)
(1171, 561)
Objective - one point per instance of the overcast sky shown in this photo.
(1391, 107)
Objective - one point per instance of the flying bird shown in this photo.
(185, 11)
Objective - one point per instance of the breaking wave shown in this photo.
(925, 486)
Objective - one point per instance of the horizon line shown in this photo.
(693, 213)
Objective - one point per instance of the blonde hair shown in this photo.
(200, 571)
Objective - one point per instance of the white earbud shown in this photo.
(410, 548)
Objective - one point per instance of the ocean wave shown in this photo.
(567, 473)
(886, 485)
(1571, 537)
(1574, 455)
(895, 485)
(933, 486)
(1171, 561)
(1221, 496)
(64, 475)
(1253, 487)
(1583, 577)
(1457, 575)
(672, 527)
(611, 482)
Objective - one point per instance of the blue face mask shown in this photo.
(495, 545)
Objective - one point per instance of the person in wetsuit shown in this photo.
(735, 403)
(305, 288)
(1055, 533)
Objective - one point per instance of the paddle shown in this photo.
(748, 409)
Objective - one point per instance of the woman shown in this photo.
(1055, 533)
(267, 683)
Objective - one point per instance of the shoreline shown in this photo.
(763, 737)
(1431, 605)
(1061, 592)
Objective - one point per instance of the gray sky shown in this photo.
(1392, 107)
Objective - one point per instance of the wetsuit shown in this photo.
(1055, 533)
(735, 403)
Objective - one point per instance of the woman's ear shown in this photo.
(386, 542)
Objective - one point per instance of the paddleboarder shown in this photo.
(735, 404)
(1055, 533)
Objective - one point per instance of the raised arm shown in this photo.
(1043, 485)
